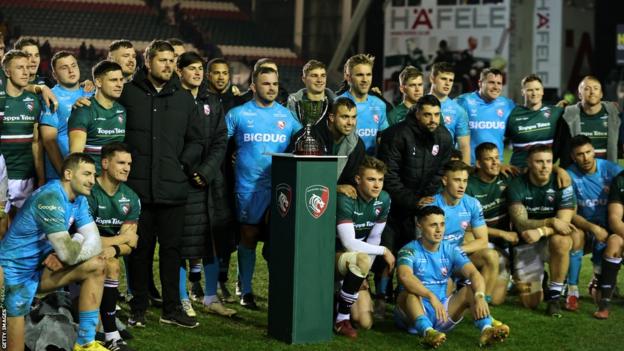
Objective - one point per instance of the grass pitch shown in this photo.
(530, 330)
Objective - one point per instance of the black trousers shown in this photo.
(165, 223)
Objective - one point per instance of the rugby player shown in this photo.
(591, 178)
(122, 51)
(313, 102)
(104, 120)
(597, 119)
(178, 47)
(532, 123)
(31, 48)
(488, 185)
(487, 111)
(360, 223)
(259, 126)
(424, 267)
(39, 255)
(542, 213)
(465, 225)
(115, 209)
(53, 124)
(371, 110)
(454, 116)
(20, 143)
(411, 86)
(612, 256)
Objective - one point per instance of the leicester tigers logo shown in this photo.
(283, 195)
(317, 199)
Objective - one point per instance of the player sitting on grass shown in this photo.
(360, 223)
(541, 212)
(39, 255)
(424, 268)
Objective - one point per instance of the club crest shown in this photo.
(281, 124)
(30, 105)
(206, 109)
(500, 112)
(283, 195)
(317, 199)
(435, 149)
(376, 118)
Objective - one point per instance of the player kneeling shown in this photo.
(38, 254)
(360, 224)
(424, 268)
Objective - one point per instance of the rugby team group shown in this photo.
(171, 152)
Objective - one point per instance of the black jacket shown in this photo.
(164, 135)
(320, 132)
(414, 157)
(207, 219)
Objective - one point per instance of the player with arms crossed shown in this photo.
(39, 255)
(542, 213)
(424, 267)
(115, 209)
(360, 223)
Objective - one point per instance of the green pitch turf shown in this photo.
(530, 330)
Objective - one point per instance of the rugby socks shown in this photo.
(86, 326)
(246, 266)
(211, 273)
(576, 260)
(182, 282)
(195, 274)
(108, 309)
(483, 323)
(554, 291)
(422, 324)
(348, 295)
(610, 268)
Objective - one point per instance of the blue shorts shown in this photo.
(403, 321)
(250, 207)
(18, 296)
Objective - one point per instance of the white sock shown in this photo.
(112, 336)
(342, 317)
(209, 299)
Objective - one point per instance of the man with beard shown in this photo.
(371, 110)
(487, 111)
(53, 124)
(163, 132)
(258, 127)
(592, 117)
(122, 51)
(414, 151)
(218, 79)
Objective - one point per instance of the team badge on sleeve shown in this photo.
(317, 198)
(283, 195)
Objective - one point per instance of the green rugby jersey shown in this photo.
(102, 126)
(526, 128)
(110, 212)
(362, 214)
(493, 199)
(596, 128)
(21, 114)
(541, 202)
(397, 114)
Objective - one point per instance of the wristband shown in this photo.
(479, 295)
(540, 231)
(117, 250)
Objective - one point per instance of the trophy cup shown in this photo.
(309, 113)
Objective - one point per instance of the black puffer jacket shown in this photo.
(207, 219)
(414, 157)
(164, 135)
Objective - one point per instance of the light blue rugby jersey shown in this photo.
(257, 131)
(468, 213)
(455, 119)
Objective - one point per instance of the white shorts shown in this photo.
(19, 191)
(529, 261)
(4, 181)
